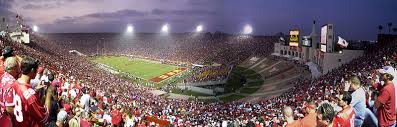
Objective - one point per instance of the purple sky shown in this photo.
(353, 19)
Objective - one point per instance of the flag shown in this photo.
(282, 39)
(342, 42)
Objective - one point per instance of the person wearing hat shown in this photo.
(385, 103)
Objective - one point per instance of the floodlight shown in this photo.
(35, 28)
(165, 28)
(247, 29)
(130, 29)
(199, 28)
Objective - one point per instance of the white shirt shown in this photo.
(85, 101)
(107, 117)
(44, 78)
(224, 123)
(73, 93)
(34, 82)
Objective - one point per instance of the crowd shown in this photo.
(196, 49)
(209, 73)
(51, 87)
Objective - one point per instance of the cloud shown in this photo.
(121, 14)
(201, 2)
(5, 6)
(40, 6)
(195, 12)
(117, 14)
(6, 3)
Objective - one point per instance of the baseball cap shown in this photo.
(68, 108)
(61, 116)
(387, 69)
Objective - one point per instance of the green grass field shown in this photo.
(141, 68)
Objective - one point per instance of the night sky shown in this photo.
(353, 19)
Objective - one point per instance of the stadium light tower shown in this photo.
(199, 28)
(165, 28)
(247, 29)
(130, 29)
(35, 28)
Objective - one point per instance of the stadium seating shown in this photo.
(113, 96)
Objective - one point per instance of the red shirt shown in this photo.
(116, 117)
(28, 111)
(2, 67)
(341, 120)
(6, 93)
(387, 112)
(84, 123)
(5, 121)
(309, 120)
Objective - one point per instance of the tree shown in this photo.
(380, 28)
(389, 25)
(394, 30)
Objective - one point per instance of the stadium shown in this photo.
(156, 73)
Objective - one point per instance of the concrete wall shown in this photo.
(279, 48)
(198, 89)
(207, 83)
(334, 60)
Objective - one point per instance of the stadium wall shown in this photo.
(334, 60)
(198, 89)
(208, 83)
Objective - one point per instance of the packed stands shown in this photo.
(88, 96)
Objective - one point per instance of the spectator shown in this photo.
(345, 118)
(85, 101)
(310, 119)
(358, 99)
(75, 121)
(289, 117)
(116, 116)
(33, 113)
(11, 68)
(385, 102)
(61, 118)
(325, 115)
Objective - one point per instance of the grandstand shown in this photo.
(209, 79)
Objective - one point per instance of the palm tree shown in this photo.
(380, 27)
(390, 25)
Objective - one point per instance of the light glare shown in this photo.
(199, 28)
(130, 29)
(247, 29)
(35, 28)
(164, 28)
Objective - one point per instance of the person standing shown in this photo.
(345, 118)
(28, 111)
(358, 99)
(385, 102)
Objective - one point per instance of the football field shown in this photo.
(145, 69)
